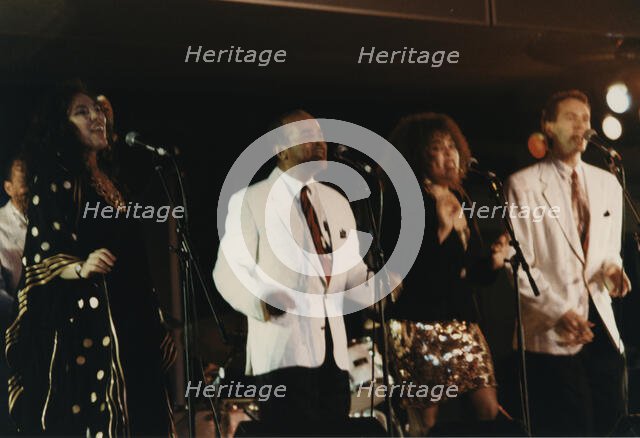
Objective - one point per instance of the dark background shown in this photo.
(513, 54)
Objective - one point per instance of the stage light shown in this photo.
(618, 98)
(611, 127)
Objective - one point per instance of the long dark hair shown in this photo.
(52, 141)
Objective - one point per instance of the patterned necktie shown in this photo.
(580, 211)
(323, 248)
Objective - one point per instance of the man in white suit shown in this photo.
(284, 347)
(573, 346)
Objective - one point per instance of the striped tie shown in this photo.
(580, 211)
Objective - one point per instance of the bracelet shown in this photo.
(78, 268)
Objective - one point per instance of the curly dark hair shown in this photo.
(414, 132)
(52, 139)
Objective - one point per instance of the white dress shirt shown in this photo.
(295, 186)
(13, 231)
(564, 172)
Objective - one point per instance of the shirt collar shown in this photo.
(16, 214)
(565, 170)
(294, 185)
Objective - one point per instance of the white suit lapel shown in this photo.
(596, 197)
(553, 194)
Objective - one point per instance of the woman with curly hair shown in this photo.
(88, 349)
(433, 325)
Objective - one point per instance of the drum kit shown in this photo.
(365, 375)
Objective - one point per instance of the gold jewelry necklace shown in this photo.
(107, 190)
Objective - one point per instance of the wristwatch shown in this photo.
(78, 268)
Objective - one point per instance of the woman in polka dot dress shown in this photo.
(88, 350)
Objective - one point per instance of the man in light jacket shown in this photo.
(573, 346)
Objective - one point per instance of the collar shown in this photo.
(16, 215)
(565, 171)
(294, 185)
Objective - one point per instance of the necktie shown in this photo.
(580, 211)
(323, 249)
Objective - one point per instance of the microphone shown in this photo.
(592, 137)
(474, 167)
(132, 140)
(345, 154)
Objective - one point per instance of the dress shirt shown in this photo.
(13, 230)
(564, 172)
(294, 186)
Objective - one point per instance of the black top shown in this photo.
(439, 286)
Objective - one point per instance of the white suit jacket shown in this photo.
(291, 339)
(553, 250)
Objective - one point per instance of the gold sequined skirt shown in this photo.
(441, 353)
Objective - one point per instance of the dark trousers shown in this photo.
(579, 395)
(315, 397)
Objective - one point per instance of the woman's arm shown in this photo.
(100, 261)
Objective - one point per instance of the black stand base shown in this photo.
(627, 426)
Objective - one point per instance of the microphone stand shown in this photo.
(613, 162)
(616, 167)
(378, 262)
(517, 261)
(190, 268)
